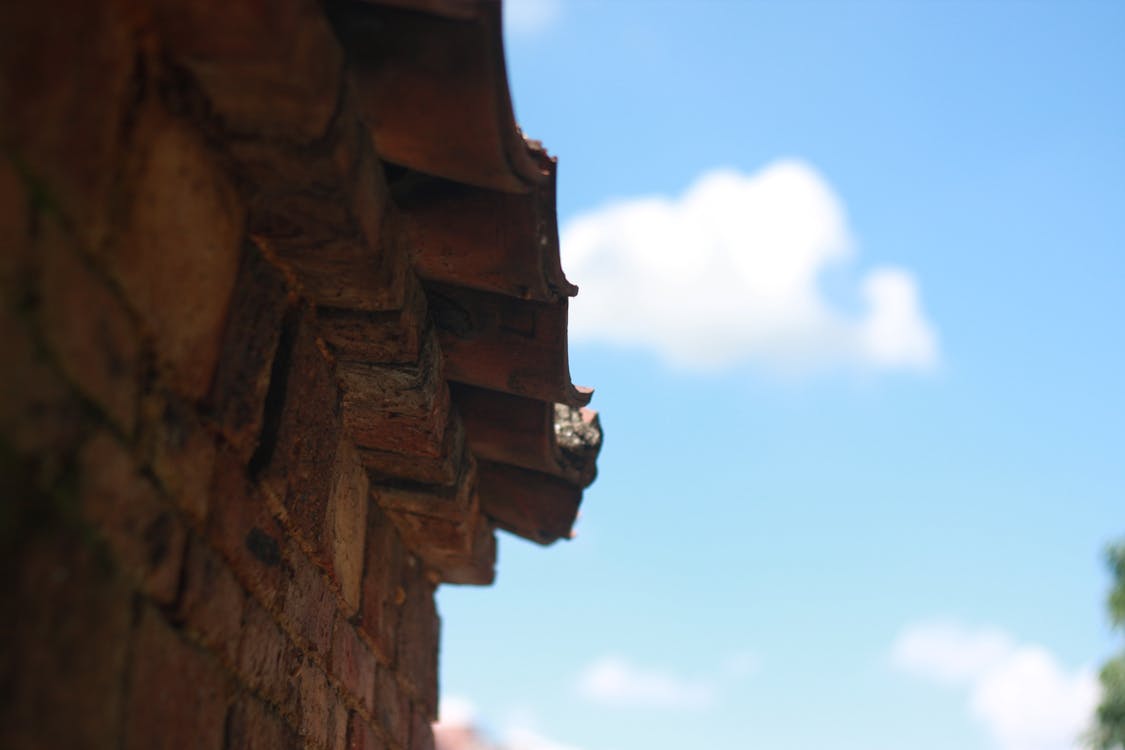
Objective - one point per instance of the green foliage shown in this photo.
(1109, 731)
(1116, 558)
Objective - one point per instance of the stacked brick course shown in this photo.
(233, 471)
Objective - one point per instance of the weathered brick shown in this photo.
(242, 527)
(89, 330)
(300, 469)
(421, 730)
(419, 633)
(179, 255)
(145, 534)
(309, 606)
(347, 523)
(268, 70)
(382, 590)
(338, 726)
(264, 654)
(353, 664)
(361, 736)
(211, 601)
(395, 408)
(254, 327)
(392, 706)
(65, 630)
(69, 77)
(251, 725)
(313, 706)
(39, 414)
(177, 693)
(391, 337)
(331, 233)
(180, 451)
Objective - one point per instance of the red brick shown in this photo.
(353, 664)
(419, 633)
(250, 344)
(244, 530)
(313, 708)
(347, 523)
(338, 726)
(300, 469)
(382, 590)
(65, 636)
(333, 237)
(396, 408)
(392, 707)
(392, 337)
(361, 736)
(145, 534)
(264, 654)
(179, 256)
(89, 331)
(39, 414)
(211, 601)
(178, 695)
(421, 730)
(67, 74)
(252, 725)
(256, 83)
(180, 451)
(309, 607)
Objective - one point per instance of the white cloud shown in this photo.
(524, 738)
(459, 727)
(457, 711)
(613, 681)
(1021, 694)
(529, 17)
(731, 272)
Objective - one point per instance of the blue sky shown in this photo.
(867, 512)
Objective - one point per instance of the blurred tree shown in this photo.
(1109, 731)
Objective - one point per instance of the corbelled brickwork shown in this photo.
(233, 470)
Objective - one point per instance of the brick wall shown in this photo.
(194, 555)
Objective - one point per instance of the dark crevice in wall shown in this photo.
(276, 393)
